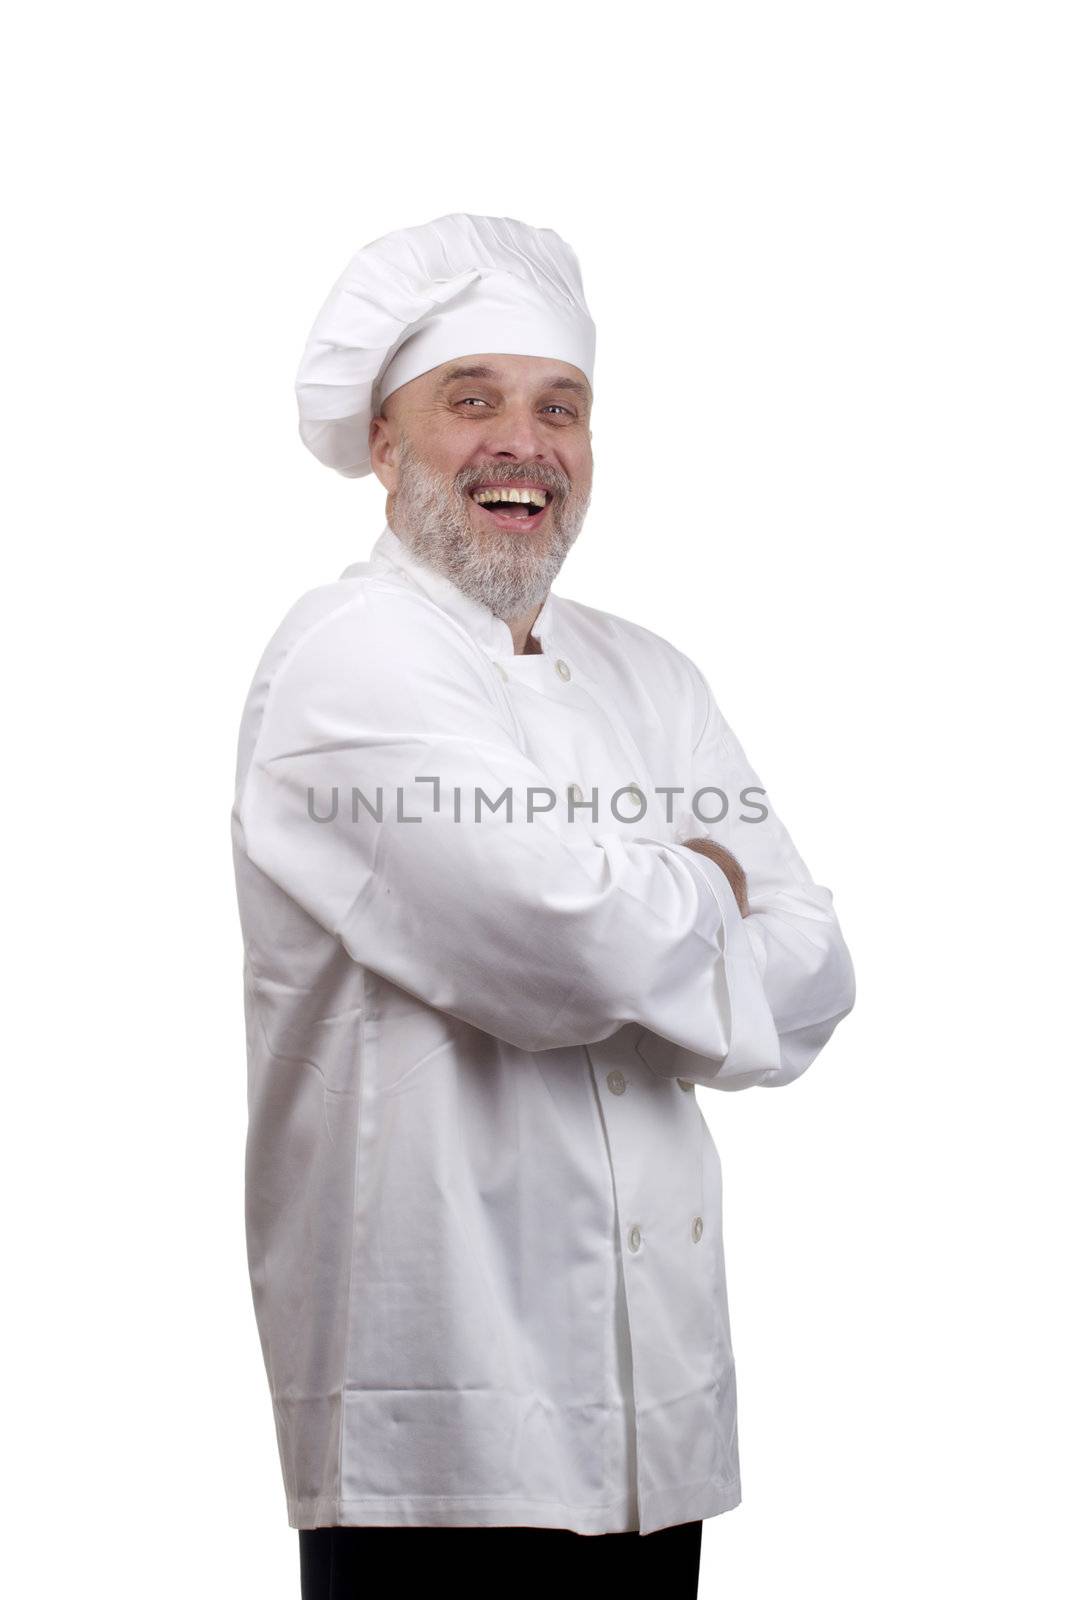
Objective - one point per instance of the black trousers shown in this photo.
(346, 1563)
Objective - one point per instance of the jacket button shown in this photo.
(562, 668)
(575, 790)
(635, 791)
(502, 671)
(635, 1237)
(616, 1083)
(683, 1083)
(698, 1228)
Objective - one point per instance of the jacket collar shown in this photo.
(389, 553)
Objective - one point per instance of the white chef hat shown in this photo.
(459, 285)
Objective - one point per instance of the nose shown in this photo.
(514, 435)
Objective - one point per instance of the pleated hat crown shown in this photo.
(459, 285)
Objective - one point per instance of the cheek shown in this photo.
(459, 451)
(579, 466)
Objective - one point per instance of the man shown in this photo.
(509, 889)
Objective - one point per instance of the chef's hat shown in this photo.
(460, 285)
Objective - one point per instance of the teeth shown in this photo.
(485, 497)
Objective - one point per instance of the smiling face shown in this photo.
(488, 465)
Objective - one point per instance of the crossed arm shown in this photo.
(533, 931)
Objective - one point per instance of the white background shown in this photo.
(824, 247)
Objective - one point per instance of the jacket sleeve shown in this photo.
(527, 928)
(786, 968)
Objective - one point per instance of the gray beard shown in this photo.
(511, 573)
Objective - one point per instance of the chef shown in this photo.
(509, 890)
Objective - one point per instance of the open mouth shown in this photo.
(519, 507)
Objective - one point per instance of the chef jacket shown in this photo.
(483, 1205)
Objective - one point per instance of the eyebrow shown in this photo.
(481, 371)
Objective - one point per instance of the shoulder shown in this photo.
(369, 618)
(614, 634)
(363, 640)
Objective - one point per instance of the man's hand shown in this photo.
(729, 864)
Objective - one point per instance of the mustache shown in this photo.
(543, 477)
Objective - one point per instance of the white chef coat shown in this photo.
(483, 1205)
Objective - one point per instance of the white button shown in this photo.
(500, 668)
(698, 1228)
(635, 1237)
(616, 1083)
(636, 792)
(683, 1083)
(576, 791)
(562, 668)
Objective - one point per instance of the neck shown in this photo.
(525, 643)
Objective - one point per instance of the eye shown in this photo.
(477, 398)
(555, 405)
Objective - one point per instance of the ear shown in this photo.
(380, 439)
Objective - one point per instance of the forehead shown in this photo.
(507, 371)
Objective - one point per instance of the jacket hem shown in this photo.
(684, 1503)
(688, 1502)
